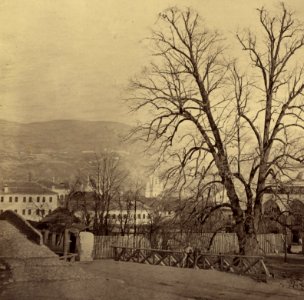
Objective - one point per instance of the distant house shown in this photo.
(61, 189)
(135, 212)
(285, 202)
(28, 199)
(139, 214)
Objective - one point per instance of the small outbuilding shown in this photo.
(63, 233)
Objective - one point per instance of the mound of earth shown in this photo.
(13, 244)
(23, 260)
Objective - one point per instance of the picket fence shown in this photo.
(222, 243)
(228, 242)
(103, 245)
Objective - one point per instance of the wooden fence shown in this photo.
(103, 245)
(253, 266)
(271, 243)
(226, 242)
(222, 243)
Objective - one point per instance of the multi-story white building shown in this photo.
(127, 213)
(61, 189)
(29, 199)
(140, 214)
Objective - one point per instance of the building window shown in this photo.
(43, 199)
(2, 198)
(138, 216)
(30, 199)
(23, 211)
(113, 216)
(24, 199)
(144, 216)
(42, 212)
(10, 199)
(149, 216)
(50, 211)
(51, 199)
(29, 212)
(15, 210)
(16, 199)
(37, 212)
(38, 199)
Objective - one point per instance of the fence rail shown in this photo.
(252, 266)
(71, 257)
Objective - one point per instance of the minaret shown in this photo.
(88, 187)
(153, 187)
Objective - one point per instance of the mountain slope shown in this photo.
(61, 148)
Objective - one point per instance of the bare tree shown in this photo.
(125, 207)
(209, 116)
(106, 180)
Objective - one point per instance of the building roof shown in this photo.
(26, 188)
(81, 200)
(50, 184)
(294, 185)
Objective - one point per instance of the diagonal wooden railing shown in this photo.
(253, 266)
(70, 257)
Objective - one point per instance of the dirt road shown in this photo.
(119, 280)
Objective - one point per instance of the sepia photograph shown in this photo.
(151, 149)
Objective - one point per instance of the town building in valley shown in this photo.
(31, 200)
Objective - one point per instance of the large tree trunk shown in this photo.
(247, 238)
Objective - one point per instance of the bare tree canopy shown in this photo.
(209, 113)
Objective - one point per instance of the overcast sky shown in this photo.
(72, 59)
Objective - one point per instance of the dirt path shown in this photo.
(119, 280)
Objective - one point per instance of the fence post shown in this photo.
(115, 253)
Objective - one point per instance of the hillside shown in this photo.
(61, 148)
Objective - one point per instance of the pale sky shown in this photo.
(72, 59)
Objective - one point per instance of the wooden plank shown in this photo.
(161, 260)
(250, 266)
(265, 268)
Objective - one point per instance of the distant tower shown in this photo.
(88, 187)
(154, 187)
(5, 189)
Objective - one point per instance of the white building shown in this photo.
(134, 213)
(139, 215)
(154, 187)
(29, 199)
(61, 189)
